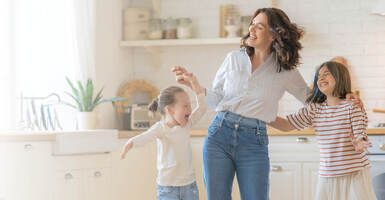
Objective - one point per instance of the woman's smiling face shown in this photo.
(260, 35)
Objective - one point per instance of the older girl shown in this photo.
(340, 129)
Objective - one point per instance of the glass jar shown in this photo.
(245, 24)
(232, 21)
(169, 28)
(155, 29)
(184, 29)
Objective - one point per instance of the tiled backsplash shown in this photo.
(333, 28)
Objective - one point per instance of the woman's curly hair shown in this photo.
(286, 36)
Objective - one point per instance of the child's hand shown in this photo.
(361, 144)
(126, 148)
(193, 82)
(179, 71)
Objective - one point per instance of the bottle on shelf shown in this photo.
(170, 28)
(184, 29)
(155, 31)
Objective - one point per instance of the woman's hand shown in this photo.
(179, 71)
(361, 144)
(355, 99)
(129, 144)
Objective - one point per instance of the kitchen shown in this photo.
(38, 166)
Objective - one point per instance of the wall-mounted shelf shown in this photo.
(179, 42)
(154, 46)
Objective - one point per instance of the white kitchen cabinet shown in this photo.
(27, 171)
(285, 181)
(98, 184)
(310, 178)
(2, 171)
(83, 177)
(135, 176)
(83, 184)
(197, 156)
(69, 185)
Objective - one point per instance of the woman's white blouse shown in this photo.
(253, 95)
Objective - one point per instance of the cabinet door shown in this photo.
(285, 181)
(2, 171)
(28, 171)
(197, 157)
(69, 185)
(135, 176)
(310, 177)
(97, 184)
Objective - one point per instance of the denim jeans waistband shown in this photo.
(242, 121)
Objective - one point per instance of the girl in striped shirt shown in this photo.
(340, 130)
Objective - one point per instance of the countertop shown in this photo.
(15, 136)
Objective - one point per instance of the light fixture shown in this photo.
(379, 8)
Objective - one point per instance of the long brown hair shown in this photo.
(165, 98)
(286, 36)
(343, 84)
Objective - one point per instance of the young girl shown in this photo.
(340, 130)
(176, 177)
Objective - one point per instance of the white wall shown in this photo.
(344, 27)
(112, 62)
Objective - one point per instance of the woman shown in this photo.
(245, 95)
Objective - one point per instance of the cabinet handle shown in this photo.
(27, 147)
(68, 176)
(97, 174)
(302, 139)
(140, 16)
(382, 147)
(276, 168)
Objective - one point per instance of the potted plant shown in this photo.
(85, 102)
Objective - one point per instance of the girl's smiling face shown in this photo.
(326, 82)
(181, 109)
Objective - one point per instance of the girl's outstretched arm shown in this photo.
(303, 118)
(282, 124)
(155, 131)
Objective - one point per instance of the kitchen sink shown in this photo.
(85, 142)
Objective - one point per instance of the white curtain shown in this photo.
(84, 19)
(6, 79)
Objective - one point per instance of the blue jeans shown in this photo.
(236, 145)
(186, 192)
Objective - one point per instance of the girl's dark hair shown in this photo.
(286, 36)
(165, 98)
(343, 84)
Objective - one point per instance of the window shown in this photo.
(40, 51)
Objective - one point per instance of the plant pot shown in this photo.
(86, 120)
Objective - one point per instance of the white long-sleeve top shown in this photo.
(174, 160)
(253, 94)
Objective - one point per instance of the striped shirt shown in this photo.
(335, 126)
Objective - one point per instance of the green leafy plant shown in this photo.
(83, 96)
